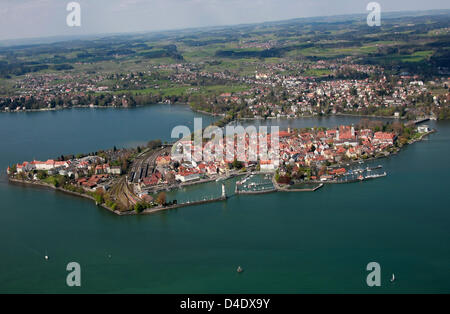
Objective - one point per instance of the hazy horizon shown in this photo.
(35, 19)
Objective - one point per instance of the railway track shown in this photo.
(145, 165)
(141, 168)
(122, 195)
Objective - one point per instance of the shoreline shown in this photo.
(316, 116)
(90, 107)
(49, 186)
(203, 112)
(103, 205)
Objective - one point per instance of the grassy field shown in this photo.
(184, 90)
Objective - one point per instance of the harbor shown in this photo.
(255, 184)
(360, 174)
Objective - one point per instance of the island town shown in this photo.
(135, 180)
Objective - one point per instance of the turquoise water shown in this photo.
(286, 242)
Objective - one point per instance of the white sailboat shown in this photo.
(393, 278)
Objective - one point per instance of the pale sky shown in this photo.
(44, 18)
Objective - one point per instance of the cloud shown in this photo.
(124, 4)
(43, 18)
(26, 4)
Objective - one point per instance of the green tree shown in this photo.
(140, 206)
(236, 164)
(41, 175)
(13, 168)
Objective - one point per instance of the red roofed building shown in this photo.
(185, 176)
(339, 171)
(162, 161)
(384, 138)
(341, 150)
(346, 133)
(44, 165)
(331, 133)
(284, 134)
(152, 180)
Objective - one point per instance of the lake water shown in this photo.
(286, 242)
